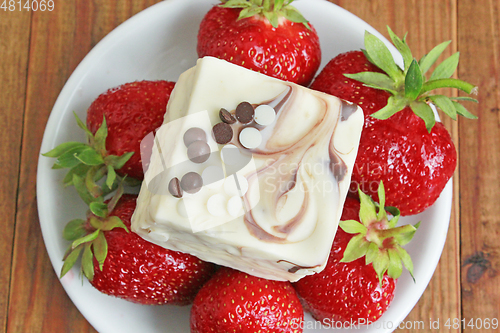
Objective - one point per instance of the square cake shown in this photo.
(249, 171)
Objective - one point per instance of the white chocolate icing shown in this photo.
(296, 180)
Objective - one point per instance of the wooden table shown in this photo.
(39, 51)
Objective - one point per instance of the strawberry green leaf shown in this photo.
(367, 56)
(395, 215)
(445, 104)
(100, 247)
(413, 81)
(461, 110)
(85, 239)
(90, 157)
(273, 18)
(292, 14)
(371, 253)
(92, 187)
(402, 48)
(367, 212)
(74, 229)
(382, 57)
(70, 260)
(446, 69)
(248, 12)
(449, 83)
(355, 249)
(96, 222)
(406, 259)
(114, 222)
(79, 170)
(80, 187)
(381, 198)
(118, 162)
(106, 190)
(425, 112)
(381, 264)
(63, 148)
(404, 238)
(278, 4)
(430, 58)
(395, 267)
(236, 4)
(99, 209)
(68, 159)
(352, 227)
(111, 177)
(100, 138)
(464, 98)
(114, 200)
(374, 80)
(87, 262)
(83, 126)
(394, 104)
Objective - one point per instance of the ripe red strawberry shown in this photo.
(271, 37)
(401, 144)
(133, 268)
(233, 301)
(132, 111)
(350, 290)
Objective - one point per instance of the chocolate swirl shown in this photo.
(293, 163)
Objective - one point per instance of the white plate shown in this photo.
(160, 43)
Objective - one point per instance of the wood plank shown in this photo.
(14, 45)
(38, 302)
(480, 161)
(432, 22)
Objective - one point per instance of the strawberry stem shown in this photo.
(377, 238)
(410, 87)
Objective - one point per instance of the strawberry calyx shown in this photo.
(88, 163)
(377, 238)
(410, 86)
(88, 236)
(272, 10)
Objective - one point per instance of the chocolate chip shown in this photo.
(198, 152)
(245, 112)
(194, 134)
(174, 187)
(223, 133)
(226, 116)
(191, 182)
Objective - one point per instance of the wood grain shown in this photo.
(14, 43)
(480, 162)
(59, 41)
(37, 300)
